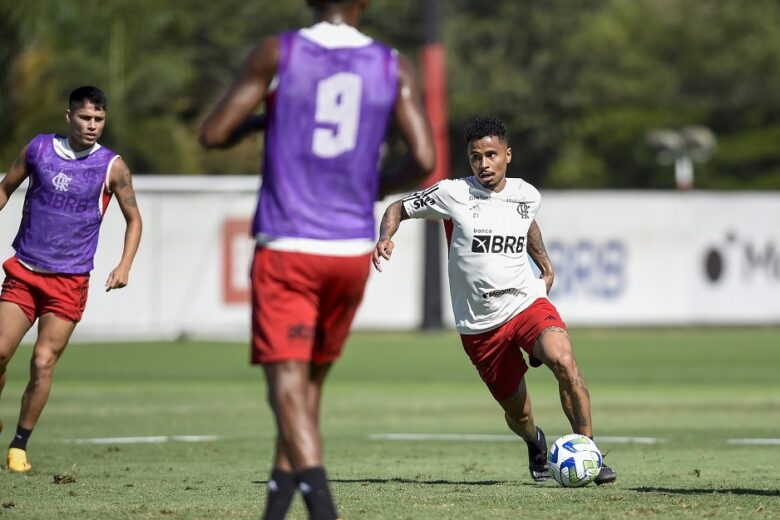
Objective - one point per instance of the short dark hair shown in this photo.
(323, 3)
(85, 94)
(485, 127)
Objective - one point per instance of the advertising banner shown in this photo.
(621, 259)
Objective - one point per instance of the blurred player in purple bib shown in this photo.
(331, 93)
(71, 181)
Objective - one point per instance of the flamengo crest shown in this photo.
(61, 181)
(522, 208)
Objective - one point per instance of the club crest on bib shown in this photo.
(61, 182)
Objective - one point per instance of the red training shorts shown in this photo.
(496, 353)
(36, 293)
(303, 304)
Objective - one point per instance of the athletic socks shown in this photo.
(313, 484)
(281, 490)
(20, 439)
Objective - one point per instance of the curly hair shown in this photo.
(485, 127)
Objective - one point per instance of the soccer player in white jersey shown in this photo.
(500, 307)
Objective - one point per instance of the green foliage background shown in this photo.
(580, 83)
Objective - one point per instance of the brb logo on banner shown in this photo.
(749, 260)
(589, 268)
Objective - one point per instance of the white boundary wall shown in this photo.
(622, 259)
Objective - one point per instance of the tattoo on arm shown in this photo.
(392, 218)
(130, 201)
(536, 248)
(124, 190)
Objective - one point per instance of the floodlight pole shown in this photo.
(682, 147)
(683, 172)
(435, 77)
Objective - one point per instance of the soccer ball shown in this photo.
(574, 460)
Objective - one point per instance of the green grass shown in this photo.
(693, 388)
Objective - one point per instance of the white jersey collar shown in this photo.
(63, 149)
(335, 36)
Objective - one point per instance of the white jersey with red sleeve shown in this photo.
(490, 275)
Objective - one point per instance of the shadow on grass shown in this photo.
(704, 491)
(398, 480)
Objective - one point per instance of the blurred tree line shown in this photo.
(580, 83)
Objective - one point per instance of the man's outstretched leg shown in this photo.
(554, 349)
(294, 392)
(53, 336)
(519, 418)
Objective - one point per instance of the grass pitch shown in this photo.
(691, 390)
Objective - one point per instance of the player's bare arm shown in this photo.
(391, 220)
(409, 118)
(234, 116)
(121, 184)
(538, 254)
(13, 177)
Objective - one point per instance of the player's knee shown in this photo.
(564, 366)
(286, 398)
(43, 363)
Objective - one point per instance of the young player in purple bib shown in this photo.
(71, 181)
(331, 93)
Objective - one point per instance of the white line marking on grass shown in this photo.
(629, 440)
(755, 442)
(476, 437)
(151, 439)
(194, 438)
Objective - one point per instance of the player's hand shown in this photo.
(383, 249)
(117, 278)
